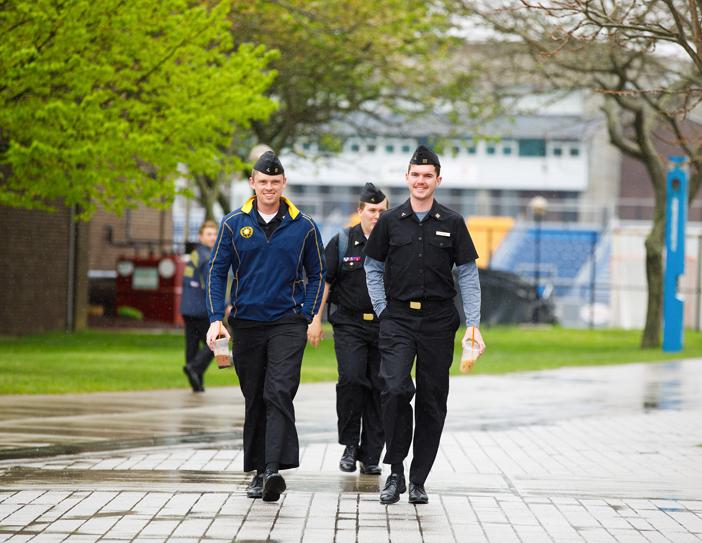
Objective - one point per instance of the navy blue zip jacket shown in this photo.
(268, 274)
(192, 301)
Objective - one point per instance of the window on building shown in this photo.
(371, 148)
(574, 151)
(472, 149)
(507, 150)
(406, 148)
(355, 147)
(389, 148)
(490, 149)
(532, 147)
(307, 146)
(456, 150)
(557, 151)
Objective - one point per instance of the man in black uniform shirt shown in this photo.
(355, 339)
(409, 260)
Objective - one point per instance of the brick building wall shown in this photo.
(136, 233)
(635, 190)
(34, 280)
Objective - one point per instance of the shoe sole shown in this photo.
(347, 469)
(418, 501)
(273, 487)
(254, 495)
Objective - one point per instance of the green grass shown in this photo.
(100, 360)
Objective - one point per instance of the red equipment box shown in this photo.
(152, 285)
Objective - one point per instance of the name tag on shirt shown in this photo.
(445, 234)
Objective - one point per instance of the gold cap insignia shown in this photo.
(424, 161)
(246, 232)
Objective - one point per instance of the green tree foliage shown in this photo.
(101, 101)
(356, 62)
(339, 58)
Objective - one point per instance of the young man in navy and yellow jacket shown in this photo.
(270, 247)
(193, 309)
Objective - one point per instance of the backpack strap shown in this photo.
(343, 246)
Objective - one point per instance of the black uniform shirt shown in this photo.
(418, 256)
(348, 278)
(271, 226)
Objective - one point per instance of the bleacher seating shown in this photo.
(582, 284)
(562, 254)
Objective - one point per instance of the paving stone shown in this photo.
(560, 456)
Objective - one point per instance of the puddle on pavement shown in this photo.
(225, 440)
(171, 418)
(147, 479)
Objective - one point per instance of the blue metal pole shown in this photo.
(675, 222)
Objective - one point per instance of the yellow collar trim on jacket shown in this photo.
(248, 206)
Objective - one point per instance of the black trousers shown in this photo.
(267, 359)
(197, 354)
(359, 386)
(427, 334)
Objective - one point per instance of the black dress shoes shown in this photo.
(370, 469)
(255, 488)
(348, 459)
(273, 486)
(394, 486)
(193, 379)
(417, 494)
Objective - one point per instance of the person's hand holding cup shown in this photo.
(473, 346)
(218, 341)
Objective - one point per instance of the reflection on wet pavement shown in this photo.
(71, 423)
(608, 453)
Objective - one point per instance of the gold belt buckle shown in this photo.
(368, 316)
(415, 305)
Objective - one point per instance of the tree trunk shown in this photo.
(224, 203)
(206, 195)
(655, 242)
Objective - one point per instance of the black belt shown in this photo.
(420, 304)
(370, 316)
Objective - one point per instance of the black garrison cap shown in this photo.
(269, 164)
(371, 194)
(423, 155)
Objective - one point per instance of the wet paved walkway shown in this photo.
(611, 454)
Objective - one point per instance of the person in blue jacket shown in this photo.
(276, 255)
(192, 307)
